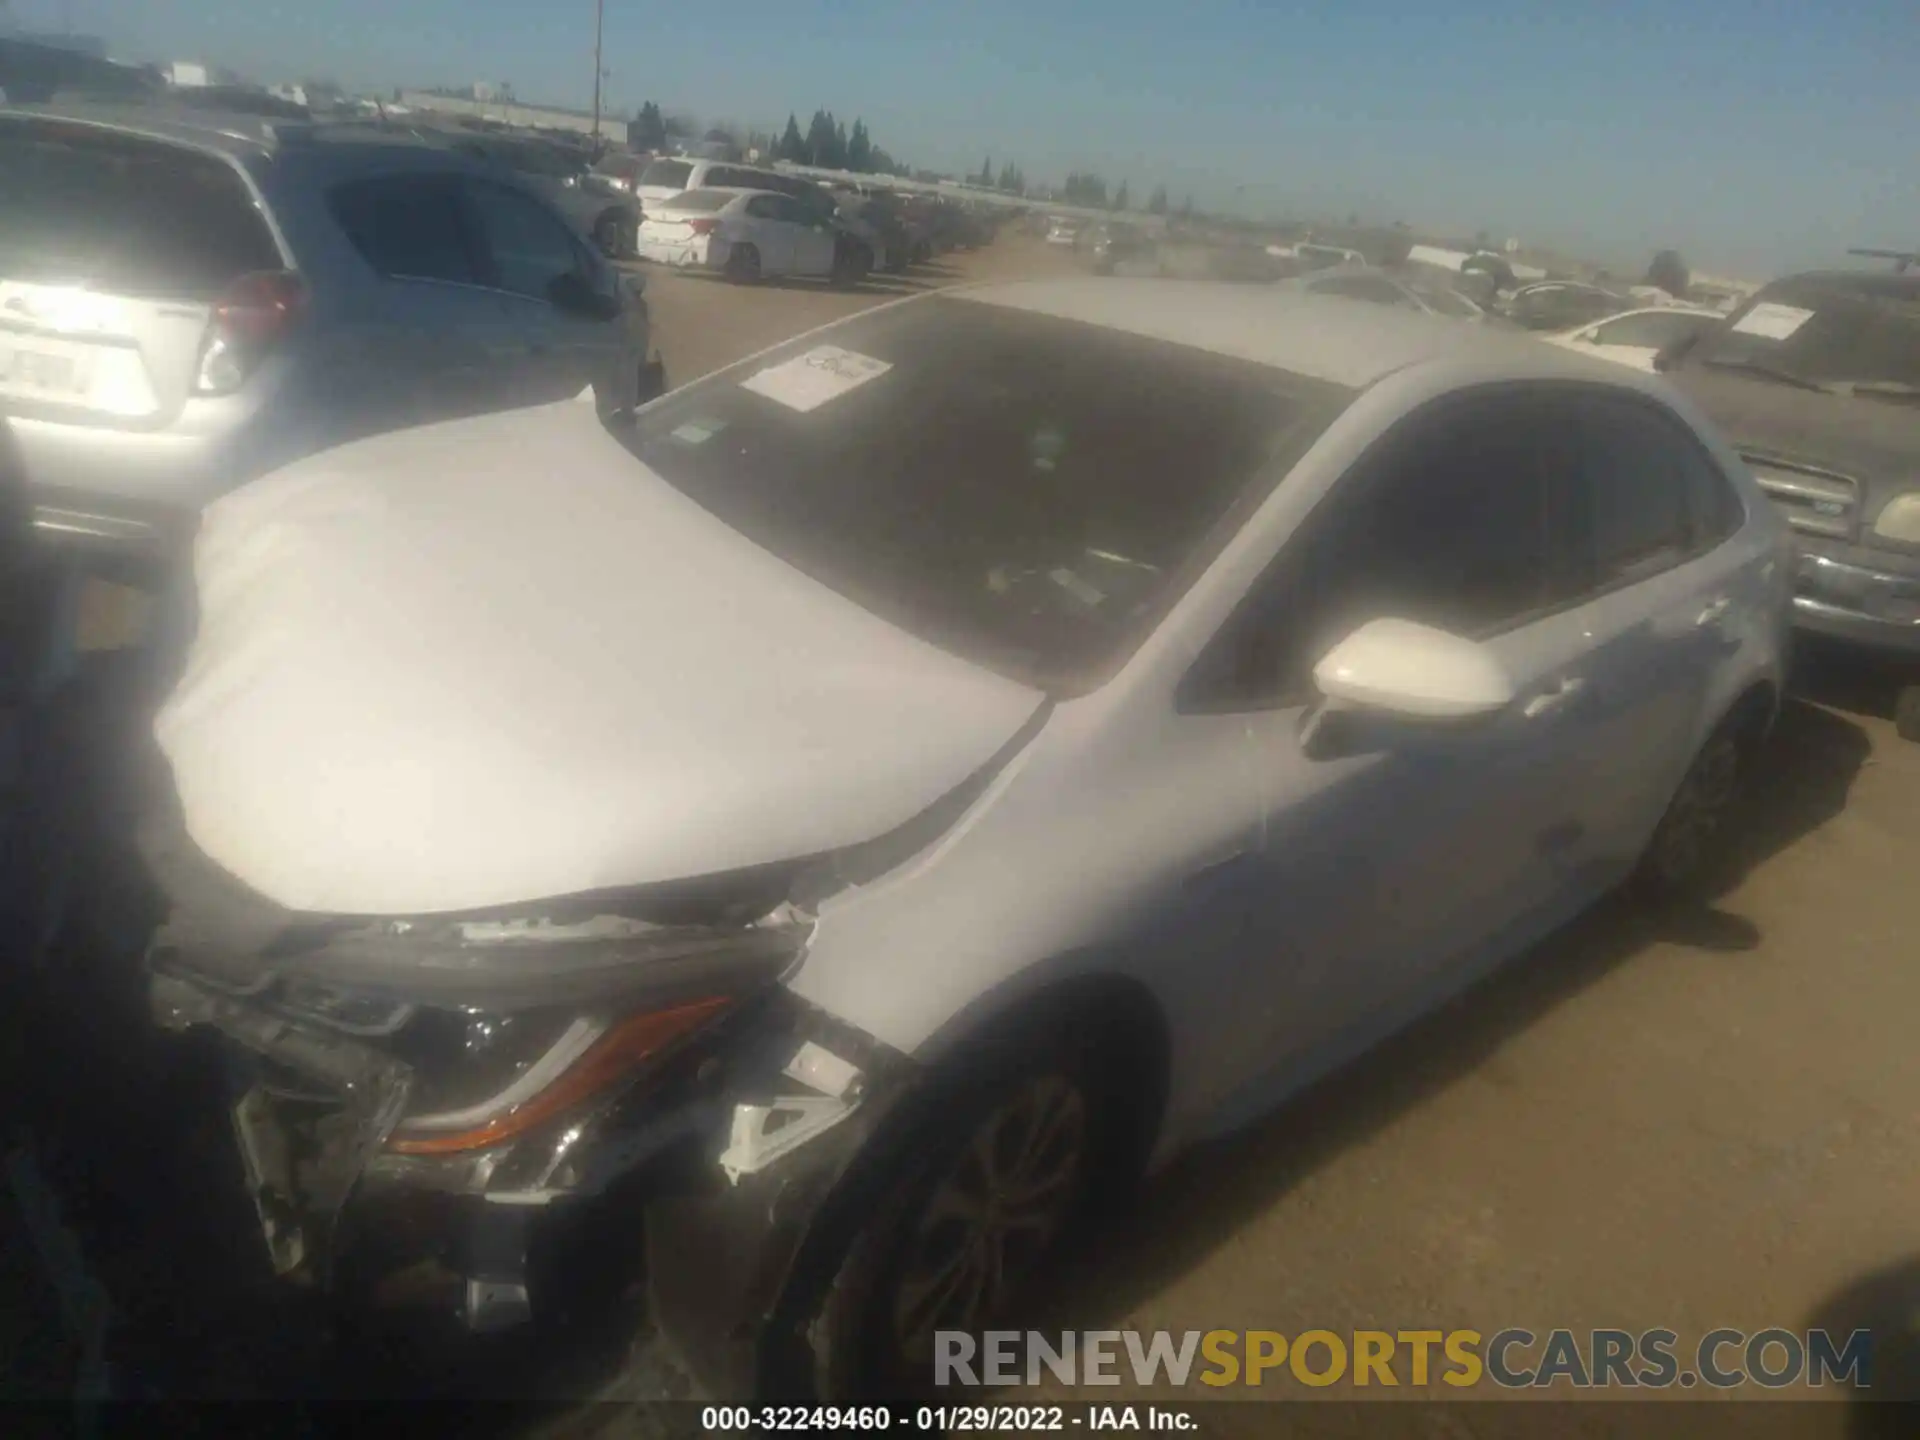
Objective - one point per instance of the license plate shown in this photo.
(42, 372)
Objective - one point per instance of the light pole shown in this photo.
(599, 19)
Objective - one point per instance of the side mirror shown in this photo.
(570, 294)
(1673, 354)
(1413, 672)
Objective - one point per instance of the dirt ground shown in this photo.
(1690, 1124)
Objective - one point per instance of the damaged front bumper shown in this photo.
(723, 1154)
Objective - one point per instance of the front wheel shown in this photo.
(1906, 713)
(611, 234)
(1680, 857)
(743, 264)
(951, 1246)
(851, 265)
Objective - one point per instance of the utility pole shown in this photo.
(599, 18)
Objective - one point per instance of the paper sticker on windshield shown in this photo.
(697, 432)
(808, 381)
(1775, 322)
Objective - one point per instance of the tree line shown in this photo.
(830, 145)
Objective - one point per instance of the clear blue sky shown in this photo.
(1754, 135)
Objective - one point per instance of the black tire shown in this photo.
(743, 264)
(1680, 860)
(852, 263)
(920, 1260)
(1906, 713)
(611, 235)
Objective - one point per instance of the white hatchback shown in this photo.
(748, 235)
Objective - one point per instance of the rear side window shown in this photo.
(667, 174)
(124, 214)
(1649, 495)
(409, 227)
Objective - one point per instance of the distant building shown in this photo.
(507, 111)
(197, 75)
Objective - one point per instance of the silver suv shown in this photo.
(188, 300)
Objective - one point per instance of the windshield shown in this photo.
(1019, 489)
(667, 174)
(1833, 330)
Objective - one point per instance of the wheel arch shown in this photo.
(1131, 1042)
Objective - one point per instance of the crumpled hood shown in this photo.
(1875, 441)
(500, 660)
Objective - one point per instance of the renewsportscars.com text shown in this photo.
(1511, 1358)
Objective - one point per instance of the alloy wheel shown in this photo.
(993, 1214)
(1684, 840)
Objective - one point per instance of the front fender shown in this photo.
(736, 1257)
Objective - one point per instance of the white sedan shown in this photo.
(750, 234)
(879, 796)
(1634, 337)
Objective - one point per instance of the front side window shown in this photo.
(1020, 489)
(527, 247)
(1449, 522)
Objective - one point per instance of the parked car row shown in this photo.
(775, 222)
(188, 300)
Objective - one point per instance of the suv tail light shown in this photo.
(703, 227)
(253, 316)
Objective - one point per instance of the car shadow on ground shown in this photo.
(1884, 1401)
(1848, 680)
(1208, 1195)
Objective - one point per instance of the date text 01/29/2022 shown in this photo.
(943, 1419)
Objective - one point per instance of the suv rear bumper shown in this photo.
(1865, 597)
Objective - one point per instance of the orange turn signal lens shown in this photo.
(615, 1053)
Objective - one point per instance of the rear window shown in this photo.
(667, 174)
(700, 202)
(124, 213)
(1023, 490)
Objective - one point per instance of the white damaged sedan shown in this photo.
(864, 804)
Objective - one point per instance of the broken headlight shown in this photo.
(552, 1016)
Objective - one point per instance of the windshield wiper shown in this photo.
(1773, 372)
(1882, 389)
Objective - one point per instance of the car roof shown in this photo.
(240, 135)
(1321, 337)
(231, 133)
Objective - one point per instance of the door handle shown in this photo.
(1552, 699)
(1221, 860)
(1714, 611)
